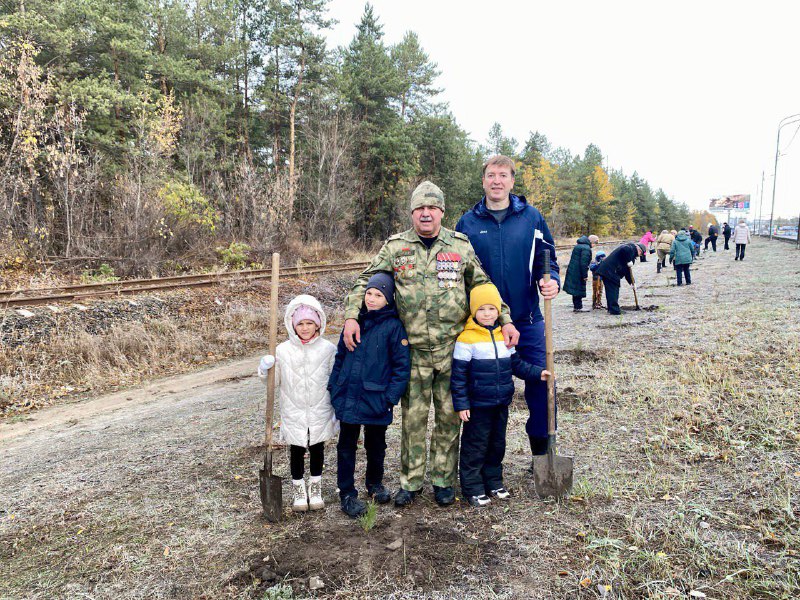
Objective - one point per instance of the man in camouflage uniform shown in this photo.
(434, 270)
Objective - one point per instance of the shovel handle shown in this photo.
(273, 339)
(633, 283)
(548, 344)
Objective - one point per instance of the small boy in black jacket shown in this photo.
(482, 386)
(365, 385)
(597, 281)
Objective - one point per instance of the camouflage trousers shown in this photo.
(430, 380)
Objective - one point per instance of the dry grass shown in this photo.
(194, 329)
(683, 423)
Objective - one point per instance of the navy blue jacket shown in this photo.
(507, 250)
(367, 383)
(482, 370)
(615, 266)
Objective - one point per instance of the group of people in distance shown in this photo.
(440, 316)
(681, 247)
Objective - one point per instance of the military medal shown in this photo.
(448, 266)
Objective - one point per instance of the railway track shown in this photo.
(790, 240)
(77, 293)
(83, 292)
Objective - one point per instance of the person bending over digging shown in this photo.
(482, 386)
(617, 265)
(304, 362)
(365, 386)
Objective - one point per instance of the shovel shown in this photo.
(633, 284)
(269, 485)
(552, 474)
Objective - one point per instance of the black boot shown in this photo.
(353, 507)
(444, 496)
(404, 497)
(379, 493)
(658, 267)
(538, 445)
(538, 448)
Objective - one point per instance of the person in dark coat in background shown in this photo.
(696, 238)
(726, 233)
(365, 386)
(617, 265)
(711, 238)
(578, 271)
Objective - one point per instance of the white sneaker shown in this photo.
(315, 501)
(299, 495)
(479, 501)
(501, 493)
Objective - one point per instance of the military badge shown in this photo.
(448, 269)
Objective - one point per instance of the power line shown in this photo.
(791, 140)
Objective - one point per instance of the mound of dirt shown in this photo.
(424, 554)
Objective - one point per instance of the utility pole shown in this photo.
(784, 121)
(798, 233)
(761, 202)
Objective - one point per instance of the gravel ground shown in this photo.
(682, 421)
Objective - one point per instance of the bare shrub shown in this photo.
(326, 197)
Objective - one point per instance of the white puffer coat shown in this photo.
(741, 234)
(301, 381)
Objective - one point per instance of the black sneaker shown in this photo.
(404, 497)
(379, 493)
(444, 496)
(353, 507)
(479, 501)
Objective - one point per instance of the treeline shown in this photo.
(154, 133)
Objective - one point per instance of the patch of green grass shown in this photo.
(280, 591)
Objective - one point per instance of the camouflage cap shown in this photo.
(427, 194)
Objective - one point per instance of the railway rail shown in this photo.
(791, 240)
(83, 292)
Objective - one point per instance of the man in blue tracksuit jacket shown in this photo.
(510, 236)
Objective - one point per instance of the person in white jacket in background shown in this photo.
(741, 237)
(304, 363)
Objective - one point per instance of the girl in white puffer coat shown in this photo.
(304, 362)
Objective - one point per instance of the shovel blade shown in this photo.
(271, 490)
(552, 475)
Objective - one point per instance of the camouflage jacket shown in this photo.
(431, 286)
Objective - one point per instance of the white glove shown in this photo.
(630, 264)
(267, 362)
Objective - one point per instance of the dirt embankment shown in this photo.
(683, 421)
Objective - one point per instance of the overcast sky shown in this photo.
(689, 94)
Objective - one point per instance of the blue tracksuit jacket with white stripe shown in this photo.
(483, 367)
(511, 251)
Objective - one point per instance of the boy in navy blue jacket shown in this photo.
(365, 385)
(482, 386)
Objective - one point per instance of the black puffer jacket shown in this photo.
(578, 269)
(367, 383)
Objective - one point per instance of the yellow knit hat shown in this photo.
(484, 294)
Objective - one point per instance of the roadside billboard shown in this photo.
(735, 202)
